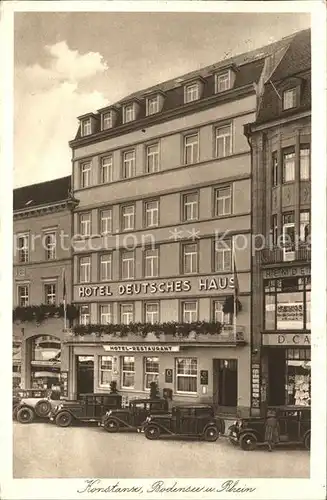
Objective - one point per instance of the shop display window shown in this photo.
(298, 377)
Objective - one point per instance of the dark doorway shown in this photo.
(276, 376)
(225, 384)
(85, 374)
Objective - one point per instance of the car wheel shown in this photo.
(307, 441)
(211, 434)
(43, 408)
(248, 442)
(25, 415)
(152, 432)
(111, 425)
(64, 419)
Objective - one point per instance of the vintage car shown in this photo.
(185, 421)
(89, 408)
(133, 417)
(19, 394)
(294, 425)
(35, 403)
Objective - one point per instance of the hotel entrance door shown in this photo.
(225, 385)
(85, 374)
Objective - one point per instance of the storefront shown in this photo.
(45, 362)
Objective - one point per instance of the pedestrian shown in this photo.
(271, 429)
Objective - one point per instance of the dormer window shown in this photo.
(290, 98)
(191, 92)
(152, 105)
(129, 113)
(223, 81)
(86, 127)
(107, 120)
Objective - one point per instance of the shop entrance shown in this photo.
(85, 374)
(225, 385)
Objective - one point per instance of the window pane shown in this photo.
(305, 163)
(270, 312)
(290, 311)
(288, 167)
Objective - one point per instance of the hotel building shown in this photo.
(42, 254)
(280, 139)
(163, 179)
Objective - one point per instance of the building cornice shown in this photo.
(45, 209)
(253, 127)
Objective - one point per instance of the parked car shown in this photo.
(134, 416)
(89, 408)
(35, 403)
(294, 424)
(185, 421)
(19, 394)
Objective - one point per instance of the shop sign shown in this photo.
(277, 339)
(215, 283)
(255, 385)
(45, 363)
(282, 272)
(168, 376)
(204, 377)
(142, 348)
(290, 315)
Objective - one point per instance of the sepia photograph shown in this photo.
(163, 238)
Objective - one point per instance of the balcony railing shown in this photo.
(277, 255)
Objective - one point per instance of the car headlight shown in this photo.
(148, 419)
(109, 413)
(57, 408)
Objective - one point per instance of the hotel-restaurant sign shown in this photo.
(195, 285)
(286, 339)
(142, 348)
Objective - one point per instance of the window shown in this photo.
(288, 235)
(151, 263)
(223, 81)
(152, 312)
(223, 255)
(127, 265)
(152, 104)
(288, 166)
(23, 248)
(191, 149)
(85, 174)
(85, 224)
(129, 113)
(274, 170)
(105, 314)
(106, 267)
(218, 313)
(106, 120)
(190, 258)
(190, 206)
(129, 164)
(50, 246)
(106, 169)
(23, 295)
(128, 372)
(106, 221)
(105, 370)
(85, 269)
(186, 374)
(190, 312)
(128, 218)
(274, 229)
(84, 314)
(304, 163)
(86, 127)
(152, 158)
(126, 314)
(152, 213)
(151, 371)
(223, 201)
(289, 99)
(287, 303)
(223, 141)
(50, 293)
(305, 226)
(191, 92)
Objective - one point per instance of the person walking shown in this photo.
(271, 429)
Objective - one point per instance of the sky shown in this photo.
(68, 64)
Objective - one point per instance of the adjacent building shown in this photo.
(162, 234)
(41, 263)
(280, 139)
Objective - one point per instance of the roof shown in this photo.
(43, 193)
(249, 66)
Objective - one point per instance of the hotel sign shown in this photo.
(279, 339)
(142, 348)
(214, 283)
